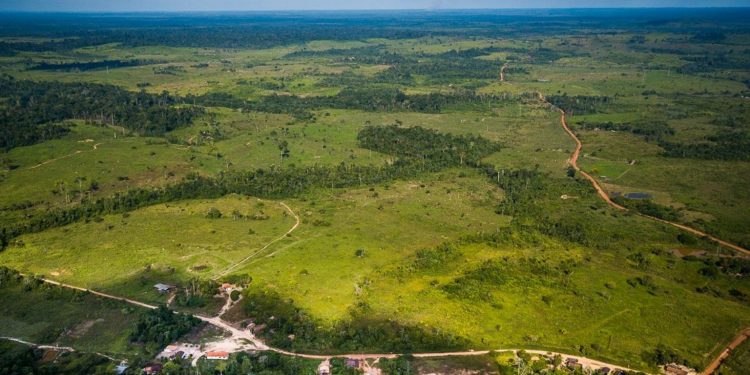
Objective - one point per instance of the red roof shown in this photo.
(217, 355)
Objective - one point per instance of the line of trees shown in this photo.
(649, 130)
(580, 104)
(90, 65)
(367, 99)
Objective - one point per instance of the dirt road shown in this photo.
(292, 229)
(245, 340)
(573, 161)
(714, 365)
(60, 348)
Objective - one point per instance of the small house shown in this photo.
(217, 355)
(121, 368)
(324, 368)
(227, 288)
(163, 288)
(152, 368)
(351, 362)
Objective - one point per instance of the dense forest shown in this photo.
(426, 145)
(35, 111)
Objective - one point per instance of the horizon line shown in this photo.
(365, 9)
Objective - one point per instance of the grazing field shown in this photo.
(374, 187)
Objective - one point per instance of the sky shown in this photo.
(261, 5)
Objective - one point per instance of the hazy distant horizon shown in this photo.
(333, 5)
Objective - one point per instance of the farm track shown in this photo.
(63, 157)
(285, 235)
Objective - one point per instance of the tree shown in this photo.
(571, 172)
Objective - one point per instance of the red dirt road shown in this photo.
(711, 368)
(573, 161)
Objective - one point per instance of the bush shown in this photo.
(213, 213)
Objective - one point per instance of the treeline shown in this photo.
(367, 99)
(33, 111)
(90, 65)
(728, 145)
(278, 182)
(445, 69)
(580, 104)
(221, 35)
(648, 207)
(649, 130)
(713, 61)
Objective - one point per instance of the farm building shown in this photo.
(163, 288)
(217, 355)
(675, 369)
(324, 368)
(638, 196)
(121, 368)
(227, 288)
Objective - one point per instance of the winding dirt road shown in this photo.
(573, 161)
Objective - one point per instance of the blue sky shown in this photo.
(247, 5)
